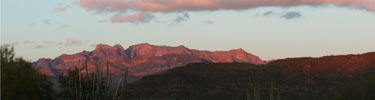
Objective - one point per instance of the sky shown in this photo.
(270, 29)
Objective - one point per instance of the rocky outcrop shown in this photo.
(141, 59)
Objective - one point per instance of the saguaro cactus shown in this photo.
(78, 85)
(256, 93)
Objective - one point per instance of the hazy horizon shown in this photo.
(47, 29)
(93, 48)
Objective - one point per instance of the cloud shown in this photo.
(291, 15)
(145, 8)
(11, 44)
(49, 42)
(210, 5)
(134, 18)
(61, 7)
(268, 13)
(183, 18)
(284, 15)
(28, 42)
(73, 43)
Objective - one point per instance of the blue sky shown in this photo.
(38, 30)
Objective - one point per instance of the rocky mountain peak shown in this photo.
(119, 46)
(108, 47)
(107, 51)
(142, 45)
(146, 50)
(142, 59)
(240, 50)
(102, 46)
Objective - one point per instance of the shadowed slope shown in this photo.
(296, 78)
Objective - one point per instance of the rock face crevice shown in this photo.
(141, 59)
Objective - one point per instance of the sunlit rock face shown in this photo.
(146, 51)
(141, 59)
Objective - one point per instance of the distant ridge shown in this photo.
(141, 59)
(303, 78)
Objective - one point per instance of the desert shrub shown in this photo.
(364, 91)
(21, 81)
(256, 93)
(78, 84)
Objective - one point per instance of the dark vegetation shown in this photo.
(21, 81)
(79, 84)
(349, 77)
(255, 94)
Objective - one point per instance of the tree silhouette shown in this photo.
(20, 81)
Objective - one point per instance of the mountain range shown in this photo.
(180, 73)
(140, 60)
(344, 77)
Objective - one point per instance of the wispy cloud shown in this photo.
(201, 5)
(11, 44)
(145, 8)
(52, 23)
(70, 42)
(49, 42)
(28, 42)
(284, 15)
(61, 7)
(291, 15)
(73, 43)
(134, 18)
(182, 18)
(268, 13)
